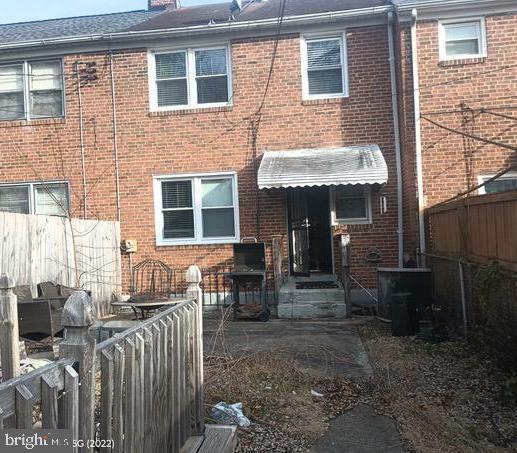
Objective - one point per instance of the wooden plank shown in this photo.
(139, 393)
(118, 397)
(170, 385)
(157, 389)
(188, 365)
(9, 334)
(49, 409)
(219, 439)
(24, 399)
(164, 385)
(148, 390)
(107, 380)
(69, 403)
(1, 419)
(176, 384)
(192, 444)
(129, 397)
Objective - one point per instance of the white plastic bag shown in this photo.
(230, 414)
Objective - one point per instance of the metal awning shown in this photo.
(362, 164)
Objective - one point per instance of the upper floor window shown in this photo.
(462, 39)
(196, 209)
(324, 67)
(47, 198)
(191, 78)
(352, 204)
(31, 90)
(502, 184)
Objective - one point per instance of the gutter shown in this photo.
(418, 137)
(305, 19)
(396, 131)
(441, 4)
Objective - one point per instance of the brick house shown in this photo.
(198, 127)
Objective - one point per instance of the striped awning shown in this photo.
(362, 164)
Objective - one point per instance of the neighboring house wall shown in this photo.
(452, 163)
(211, 140)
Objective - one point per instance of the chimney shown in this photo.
(163, 4)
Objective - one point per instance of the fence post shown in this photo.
(9, 336)
(195, 293)
(345, 273)
(277, 264)
(78, 345)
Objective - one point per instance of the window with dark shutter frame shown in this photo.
(178, 210)
(325, 67)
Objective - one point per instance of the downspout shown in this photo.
(81, 136)
(396, 132)
(115, 135)
(418, 138)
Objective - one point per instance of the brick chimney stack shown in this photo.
(162, 4)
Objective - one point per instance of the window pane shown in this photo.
(461, 31)
(218, 223)
(14, 199)
(328, 81)
(45, 76)
(46, 104)
(51, 199)
(470, 47)
(217, 192)
(172, 92)
(324, 53)
(11, 93)
(210, 62)
(178, 224)
(502, 185)
(176, 194)
(351, 203)
(212, 89)
(171, 65)
(11, 106)
(11, 78)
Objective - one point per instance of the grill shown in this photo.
(249, 260)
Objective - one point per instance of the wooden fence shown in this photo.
(77, 253)
(142, 388)
(478, 229)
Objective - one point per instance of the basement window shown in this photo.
(324, 67)
(352, 204)
(196, 209)
(462, 39)
(44, 198)
(190, 78)
(31, 90)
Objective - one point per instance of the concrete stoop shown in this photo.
(311, 303)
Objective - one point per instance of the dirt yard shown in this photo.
(444, 397)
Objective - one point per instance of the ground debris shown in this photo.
(444, 397)
(276, 396)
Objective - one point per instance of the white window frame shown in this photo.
(31, 187)
(352, 221)
(485, 177)
(190, 54)
(481, 35)
(27, 87)
(196, 179)
(305, 66)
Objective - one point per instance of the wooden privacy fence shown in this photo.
(72, 252)
(145, 384)
(478, 229)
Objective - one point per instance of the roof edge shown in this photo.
(305, 19)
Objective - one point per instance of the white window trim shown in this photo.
(197, 207)
(484, 177)
(481, 37)
(304, 65)
(191, 79)
(26, 88)
(352, 221)
(32, 192)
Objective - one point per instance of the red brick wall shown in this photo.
(211, 140)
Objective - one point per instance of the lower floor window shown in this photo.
(502, 184)
(352, 204)
(46, 198)
(196, 209)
